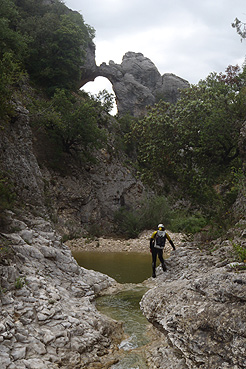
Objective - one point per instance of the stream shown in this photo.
(125, 268)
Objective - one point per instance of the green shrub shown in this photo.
(19, 283)
(187, 223)
(154, 211)
(130, 222)
(240, 251)
(127, 222)
(10, 75)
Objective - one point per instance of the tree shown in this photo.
(240, 28)
(11, 41)
(12, 49)
(10, 74)
(72, 122)
(57, 38)
(195, 142)
(105, 99)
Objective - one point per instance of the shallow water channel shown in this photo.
(130, 268)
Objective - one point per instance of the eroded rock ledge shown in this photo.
(48, 319)
(198, 307)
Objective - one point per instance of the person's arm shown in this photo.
(152, 241)
(170, 241)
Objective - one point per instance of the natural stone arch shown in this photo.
(136, 82)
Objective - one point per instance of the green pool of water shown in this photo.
(123, 267)
(124, 306)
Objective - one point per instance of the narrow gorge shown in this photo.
(55, 202)
(48, 314)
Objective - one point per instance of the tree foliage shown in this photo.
(105, 99)
(195, 142)
(72, 121)
(12, 48)
(240, 28)
(48, 39)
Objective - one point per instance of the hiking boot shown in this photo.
(164, 268)
(153, 275)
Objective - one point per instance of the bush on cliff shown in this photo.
(71, 122)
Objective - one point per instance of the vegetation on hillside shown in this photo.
(48, 39)
(188, 151)
(193, 145)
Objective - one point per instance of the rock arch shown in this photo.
(136, 82)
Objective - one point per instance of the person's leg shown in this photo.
(154, 255)
(160, 255)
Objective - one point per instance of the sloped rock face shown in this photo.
(199, 306)
(85, 195)
(170, 86)
(89, 69)
(239, 207)
(88, 196)
(133, 81)
(137, 83)
(18, 160)
(48, 319)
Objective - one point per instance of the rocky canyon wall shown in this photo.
(83, 196)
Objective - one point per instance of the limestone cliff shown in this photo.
(76, 198)
(48, 319)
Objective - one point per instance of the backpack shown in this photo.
(160, 239)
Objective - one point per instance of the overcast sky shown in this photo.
(189, 38)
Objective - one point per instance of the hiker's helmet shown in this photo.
(161, 227)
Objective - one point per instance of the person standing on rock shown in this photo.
(157, 243)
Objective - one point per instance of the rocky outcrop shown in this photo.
(198, 306)
(89, 69)
(136, 82)
(87, 196)
(239, 207)
(48, 319)
(242, 142)
(18, 160)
